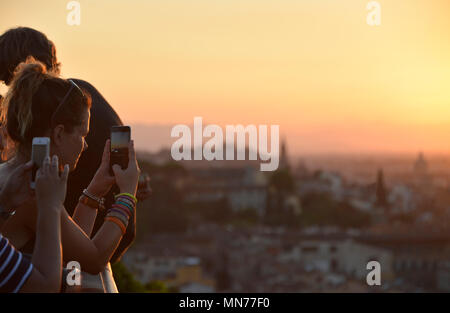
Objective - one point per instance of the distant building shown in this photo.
(178, 271)
(381, 192)
(243, 187)
(422, 177)
(284, 159)
(421, 166)
(401, 199)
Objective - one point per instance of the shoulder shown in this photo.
(100, 106)
(16, 268)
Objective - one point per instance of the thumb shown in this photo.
(106, 151)
(38, 174)
(116, 169)
(28, 166)
(65, 173)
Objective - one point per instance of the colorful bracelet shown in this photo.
(123, 208)
(125, 204)
(119, 211)
(118, 222)
(127, 201)
(127, 194)
(120, 216)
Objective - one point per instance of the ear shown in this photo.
(58, 135)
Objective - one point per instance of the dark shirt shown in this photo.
(103, 117)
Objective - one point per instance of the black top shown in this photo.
(103, 117)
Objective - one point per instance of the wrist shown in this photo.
(95, 191)
(91, 200)
(128, 190)
(50, 208)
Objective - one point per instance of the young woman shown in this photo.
(40, 104)
(16, 45)
(43, 272)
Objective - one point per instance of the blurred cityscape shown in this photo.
(311, 226)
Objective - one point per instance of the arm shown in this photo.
(47, 255)
(84, 216)
(16, 191)
(93, 255)
(101, 183)
(47, 258)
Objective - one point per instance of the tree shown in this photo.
(125, 281)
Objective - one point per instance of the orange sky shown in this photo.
(332, 83)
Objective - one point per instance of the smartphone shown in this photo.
(39, 150)
(120, 138)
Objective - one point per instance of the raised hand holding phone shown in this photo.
(120, 139)
(50, 186)
(103, 179)
(127, 179)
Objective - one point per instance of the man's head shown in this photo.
(18, 43)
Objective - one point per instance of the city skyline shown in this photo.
(333, 83)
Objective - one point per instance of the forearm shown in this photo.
(85, 216)
(47, 255)
(92, 254)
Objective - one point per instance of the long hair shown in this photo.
(31, 101)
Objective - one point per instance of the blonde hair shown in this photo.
(28, 76)
(31, 101)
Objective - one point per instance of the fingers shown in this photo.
(106, 152)
(54, 166)
(116, 168)
(131, 154)
(65, 173)
(39, 174)
(45, 169)
(28, 166)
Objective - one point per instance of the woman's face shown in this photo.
(72, 144)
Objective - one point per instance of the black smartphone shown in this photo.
(120, 138)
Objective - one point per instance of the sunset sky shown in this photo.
(332, 82)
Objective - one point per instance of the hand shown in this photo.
(127, 179)
(16, 190)
(50, 187)
(103, 180)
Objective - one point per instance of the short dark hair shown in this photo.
(17, 44)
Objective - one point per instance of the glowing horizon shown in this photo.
(332, 83)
